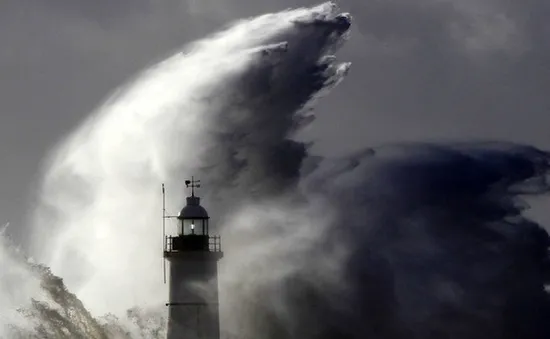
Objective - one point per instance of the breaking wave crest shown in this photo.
(403, 241)
(53, 311)
(98, 213)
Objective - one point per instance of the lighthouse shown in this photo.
(193, 255)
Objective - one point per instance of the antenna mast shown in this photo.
(164, 231)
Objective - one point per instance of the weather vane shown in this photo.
(193, 184)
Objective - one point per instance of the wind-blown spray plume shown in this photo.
(416, 241)
(200, 109)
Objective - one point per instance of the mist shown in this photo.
(402, 241)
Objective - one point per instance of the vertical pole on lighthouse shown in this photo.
(164, 231)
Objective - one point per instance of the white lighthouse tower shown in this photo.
(193, 256)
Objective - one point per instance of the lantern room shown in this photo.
(193, 218)
(192, 227)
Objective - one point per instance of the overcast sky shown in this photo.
(422, 70)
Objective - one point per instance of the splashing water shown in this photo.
(404, 241)
(99, 214)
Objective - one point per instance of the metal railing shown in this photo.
(205, 243)
(215, 243)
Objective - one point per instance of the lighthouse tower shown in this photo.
(193, 256)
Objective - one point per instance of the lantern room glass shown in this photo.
(193, 226)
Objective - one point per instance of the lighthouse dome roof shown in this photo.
(193, 210)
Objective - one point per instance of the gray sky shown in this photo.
(422, 70)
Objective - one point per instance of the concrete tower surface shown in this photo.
(193, 282)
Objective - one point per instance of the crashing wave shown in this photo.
(403, 241)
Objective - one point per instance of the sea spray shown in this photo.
(99, 203)
(404, 241)
(100, 197)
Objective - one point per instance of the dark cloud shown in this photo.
(444, 69)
